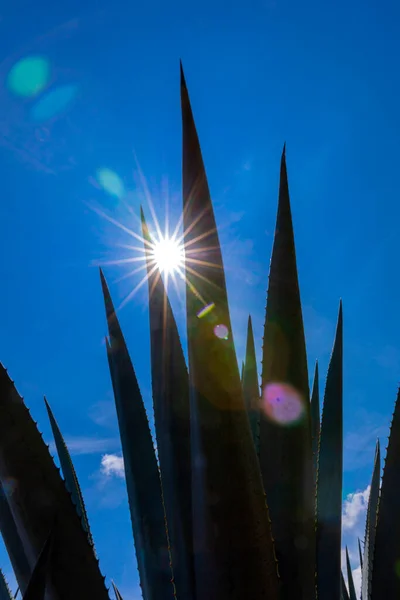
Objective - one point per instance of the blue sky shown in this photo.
(321, 76)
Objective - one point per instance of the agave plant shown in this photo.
(244, 498)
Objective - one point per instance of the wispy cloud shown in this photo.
(88, 445)
(359, 445)
(112, 466)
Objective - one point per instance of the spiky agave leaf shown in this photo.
(329, 479)
(352, 589)
(68, 469)
(251, 390)
(370, 526)
(39, 495)
(234, 555)
(344, 594)
(315, 419)
(285, 429)
(12, 540)
(40, 577)
(5, 592)
(385, 584)
(141, 469)
(116, 592)
(360, 553)
(170, 384)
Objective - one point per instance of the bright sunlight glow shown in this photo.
(168, 255)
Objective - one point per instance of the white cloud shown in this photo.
(112, 465)
(353, 527)
(354, 509)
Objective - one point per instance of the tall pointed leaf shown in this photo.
(234, 555)
(329, 480)
(12, 540)
(343, 589)
(170, 385)
(251, 390)
(360, 553)
(315, 419)
(141, 469)
(5, 592)
(370, 526)
(38, 496)
(285, 428)
(68, 469)
(385, 583)
(352, 589)
(116, 592)
(40, 578)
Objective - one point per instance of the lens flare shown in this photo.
(54, 102)
(221, 331)
(206, 310)
(29, 76)
(282, 403)
(110, 182)
(168, 255)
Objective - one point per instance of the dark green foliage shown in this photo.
(329, 479)
(370, 531)
(360, 553)
(69, 473)
(141, 469)
(251, 389)
(39, 581)
(41, 495)
(385, 584)
(116, 592)
(285, 451)
(13, 543)
(200, 520)
(344, 594)
(234, 555)
(352, 589)
(170, 383)
(315, 419)
(5, 593)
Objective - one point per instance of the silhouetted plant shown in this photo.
(245, 499)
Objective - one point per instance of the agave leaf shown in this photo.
(242, 372)
(344, 594)
(5, 592)
(360, 553)
(329, 479)
(285, 447)
(68, 469)
(170, 385)
(141, 469)
(386, 560)
(13, 543)
(251, 390)
(315, 419)
(39, 495)
(352, 589)
(40, 575)
(234, 555)
(370, 526)
(116, 592)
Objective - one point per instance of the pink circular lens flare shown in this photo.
(282, 403)
(221, 331)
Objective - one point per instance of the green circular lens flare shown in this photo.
(110, 182)
(29, 76)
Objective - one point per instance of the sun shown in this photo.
(167, 253)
